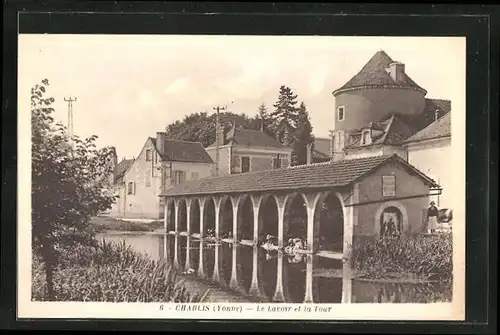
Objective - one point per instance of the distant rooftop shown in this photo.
(250, 138)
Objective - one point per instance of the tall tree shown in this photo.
(69, 186)
(303, 136)
(285, 115)
(263, 115)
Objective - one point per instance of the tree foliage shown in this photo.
(69, 184)
(303, 135)
(200, 127)
(285, 115)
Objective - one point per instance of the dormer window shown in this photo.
(341, 113)
(365, 137)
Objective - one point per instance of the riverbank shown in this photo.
(413, 259)
(113, 272)
(102, 224)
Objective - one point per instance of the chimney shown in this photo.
(397, 71)
(160, 142)
(309, 153)
(436, 115)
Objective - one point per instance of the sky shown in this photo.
(129, 87)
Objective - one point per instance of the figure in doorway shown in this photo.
(432, 218)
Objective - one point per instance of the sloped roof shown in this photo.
(250, 138)
(182, 151)
(439, 128)
(321, 175)
(122, 167)
(395, 130)
(374, 74)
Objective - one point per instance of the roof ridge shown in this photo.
(182, 141)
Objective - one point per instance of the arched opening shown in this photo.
(268, 219)
(295, 218)
(170, 246)
(327, 289)
(170, 216)
(391, 221)
(208, 259)
(226, 218)
(268, 273)
(245, 219)
(194, 225)
(209, 218)
(245, 264)
(182, 215)
(329, 216)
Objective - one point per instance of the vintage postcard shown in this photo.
(241, 177)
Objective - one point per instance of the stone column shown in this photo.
(308, 296)
(188, 215)
(202, 201)
(280, 293)
(201, 267)
(177, 212)
(176, 252)
(165, 214)
(187, 264)
(256, 201)
(311, 200)
(217, 203)
(346, 284)
(281, 202)
(235, 201)
(236, 275)
(255, 287)
(349, 217)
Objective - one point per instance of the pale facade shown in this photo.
(151, 172)
(431, 158)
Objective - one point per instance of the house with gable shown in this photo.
(245, 150)
(161, 163)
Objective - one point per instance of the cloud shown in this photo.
(178, 85)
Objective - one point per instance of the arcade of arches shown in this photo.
(319, 218)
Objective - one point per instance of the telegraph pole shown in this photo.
(217, 139)
(70, 101)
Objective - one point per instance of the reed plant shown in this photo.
(111, 272)
(427, 257)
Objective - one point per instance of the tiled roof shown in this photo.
(437, 129)
(395, 130)
(251, 138)
(183, 151)
(122, 167)
(374, 74)
(321, 175)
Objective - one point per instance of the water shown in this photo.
(275, 277)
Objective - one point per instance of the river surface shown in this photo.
(274, 277)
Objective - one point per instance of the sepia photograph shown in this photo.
(248, 177)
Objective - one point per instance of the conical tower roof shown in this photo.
(375, 75)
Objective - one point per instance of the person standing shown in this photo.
(432, 217)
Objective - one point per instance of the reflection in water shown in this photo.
(272, 276)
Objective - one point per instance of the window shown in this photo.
(277, 161)
(179, 177)
(245, 164)
(194, 175)
(365, 139)
(131, 188)
(149, 155)
(341, 113)
(388, 186)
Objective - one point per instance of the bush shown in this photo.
(112, 273)
(428, 257)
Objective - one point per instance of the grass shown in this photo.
(420, 257)
(111, 272)
(102, 224)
